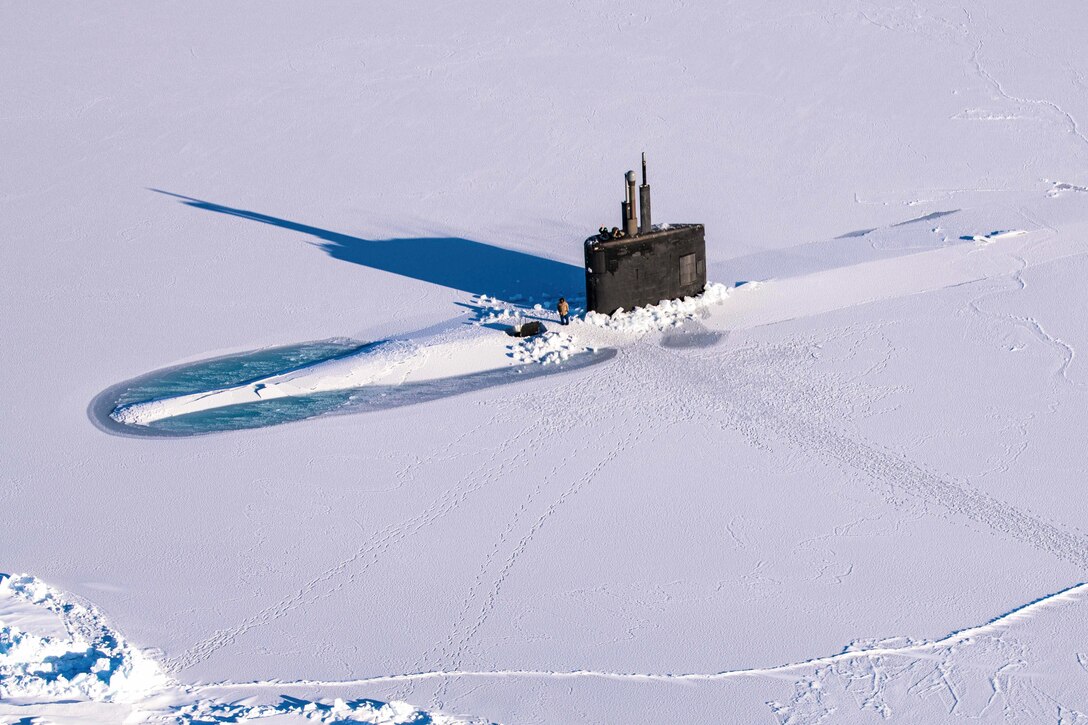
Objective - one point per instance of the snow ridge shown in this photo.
(93, 664)
(908, 648)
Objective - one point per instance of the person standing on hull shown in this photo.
(564, 311)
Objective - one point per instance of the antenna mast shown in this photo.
(644, 200)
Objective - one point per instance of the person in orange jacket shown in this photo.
(564, 311)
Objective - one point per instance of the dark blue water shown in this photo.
(232, 370)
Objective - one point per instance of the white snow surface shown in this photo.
(91, 673)
(849, 490)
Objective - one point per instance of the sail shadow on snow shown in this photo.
(461, 264)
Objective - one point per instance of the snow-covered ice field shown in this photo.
(849, 490)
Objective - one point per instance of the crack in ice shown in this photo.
(1067, 595)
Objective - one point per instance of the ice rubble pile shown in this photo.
(491, 310)
(549, 348)
(340, 711)
(663, 315)
(90, 663)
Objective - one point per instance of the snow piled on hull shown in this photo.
(663, 315)
(445, 355)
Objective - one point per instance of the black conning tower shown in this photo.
(635, 264)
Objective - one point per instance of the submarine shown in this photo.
(638, 263)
